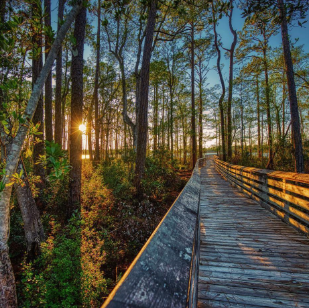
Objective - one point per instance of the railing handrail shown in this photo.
(285, 194)
(164, 272)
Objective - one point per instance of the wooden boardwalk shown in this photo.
(248, 257)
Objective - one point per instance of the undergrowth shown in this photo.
(83, 259)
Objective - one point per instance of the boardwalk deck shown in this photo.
(248, 257)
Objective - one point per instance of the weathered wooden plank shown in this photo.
(250, 300)
(248, 257)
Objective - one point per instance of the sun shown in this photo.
(82, 128)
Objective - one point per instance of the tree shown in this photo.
(294, 8)
(38, 149)
(48, 83)
(222, 119)
(96, 87)
(76, 112)
(230, 92)
(58, 97)
(142, 120)
(297, 139)
(7, 281)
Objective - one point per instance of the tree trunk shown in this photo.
(88, 130)
(171, 122)
(230, 96)
(200, 121)
(7, 281)
(48, 83)
(142, 123)
(34, 232)
(2, 10)
(295, 121)
(76, 112)
(58, 96)
(270, 164)
(258, 116)
(155, 121)
(38, 149)
(96, 87)
(222, 85)
(193, 126)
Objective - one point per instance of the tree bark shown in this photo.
(2, 10)
(222, 84)
(58, 115)
(200, 118)
(142, 123)
(7, 281)
(270, 164)
(34, 232)
(295, 121)
(193, 126)
(76, 112)
(96, 88)
(230, 96)
(258, 116)
(48, 83)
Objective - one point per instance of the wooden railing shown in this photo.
(286, 194)
(164, 274)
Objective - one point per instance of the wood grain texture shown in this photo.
(249, 257)
(285, 194)
(162, 273)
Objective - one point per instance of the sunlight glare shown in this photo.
(82, 128)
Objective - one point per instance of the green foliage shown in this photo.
(160, 174)
(56, 161)
(53, 280)
(116, 176)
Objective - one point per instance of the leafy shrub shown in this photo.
(53, 280)
(118, 178)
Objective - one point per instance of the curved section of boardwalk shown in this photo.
(248, 257)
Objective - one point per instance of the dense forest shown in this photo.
(105, 107)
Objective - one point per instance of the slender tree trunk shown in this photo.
(7, 281)
(155, 122)
(200, 121)
(34, 232)
(96, 87)
(38, 149)
(222, 85)
(270, 164)
(230, 96)
(48, 83)
(295, 121)
(65, 133)
(58, 97)
(163, 118)
(283, 105)
(258, 116)
(171, 122)
(76, 112)
(142, 123)
(89, 129)
(193, 126)
(2, 10)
